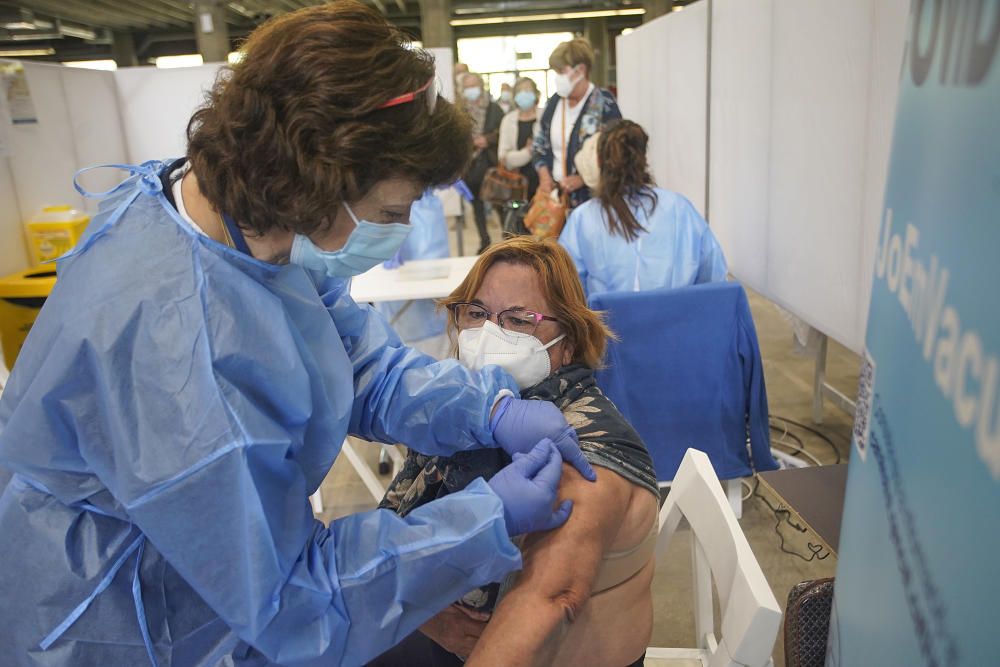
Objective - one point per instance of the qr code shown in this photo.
(863, 405)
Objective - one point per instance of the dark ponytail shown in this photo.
(625, 178)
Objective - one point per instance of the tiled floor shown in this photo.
(789, 384)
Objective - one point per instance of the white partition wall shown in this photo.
(156, 106)
(803, 95)
(741, 134)
(89, 117)
(78, 125)
(13, 254)
(659, 65)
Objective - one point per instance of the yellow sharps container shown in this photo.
(53, 232)
(21, 297)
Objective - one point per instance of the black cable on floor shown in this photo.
(814, 549)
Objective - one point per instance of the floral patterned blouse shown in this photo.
(601, 108)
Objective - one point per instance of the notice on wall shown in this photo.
(17, 94)
(917, 581)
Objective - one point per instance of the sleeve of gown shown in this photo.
(402, 395)
(712, 266)
(570, 240)
(211, 470)
(241, 533)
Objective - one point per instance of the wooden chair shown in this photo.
(751, 616)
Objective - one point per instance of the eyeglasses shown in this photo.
(430, 91)
(518, 320)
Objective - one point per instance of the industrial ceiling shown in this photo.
(61, 30)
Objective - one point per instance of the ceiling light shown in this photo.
(524, 18)
(108, 65)
(628, 31)
(187, 60)
(21, 53)
(24, 20)
(79, 32)
(34, 36)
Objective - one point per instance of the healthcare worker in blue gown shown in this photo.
(419, 322)
(200, 361)
(633, 235)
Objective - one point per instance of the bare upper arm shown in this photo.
(561, 564)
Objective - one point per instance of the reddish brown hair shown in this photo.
(294, 129)
(625, 177)
(585, 330)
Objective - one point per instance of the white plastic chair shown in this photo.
(751, 616)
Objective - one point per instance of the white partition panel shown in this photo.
(95, 124)
(741, 134)
(890, 21)
(444, 66)
(13, 254)
(678, 147)
(78, 126)
(662, 85)
(44, 154)
(820, 72)
(803, 94)
(156, 105)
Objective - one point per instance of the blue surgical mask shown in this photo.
(368, 245)
(525, 100)
(472, 94)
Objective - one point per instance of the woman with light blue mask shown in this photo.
(193, 374)
(517, 131)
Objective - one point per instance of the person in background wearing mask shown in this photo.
(506, 99)
(194, 372)
(486, 116)
(577, 110)
(419, 323)
(633, 235)
(517, 131)
(461, 69)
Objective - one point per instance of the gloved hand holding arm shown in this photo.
(519, 424)
(528, 488)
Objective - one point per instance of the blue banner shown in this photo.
(918, 582)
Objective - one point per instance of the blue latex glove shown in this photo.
(394, 262)
(518, 425)
(463, 190)
(527, 488)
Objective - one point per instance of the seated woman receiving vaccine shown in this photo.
(583, 596)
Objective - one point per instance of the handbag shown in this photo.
(547, 216)
(807, 623)
(501, 185)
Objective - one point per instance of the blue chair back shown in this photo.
(686, 372)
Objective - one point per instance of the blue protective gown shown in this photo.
(677, 248)
(421, 319)
(173, 407)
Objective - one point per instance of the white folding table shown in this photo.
(417, 279)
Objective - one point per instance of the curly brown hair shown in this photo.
(295, 128)
(585, 329)
(625, 177)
